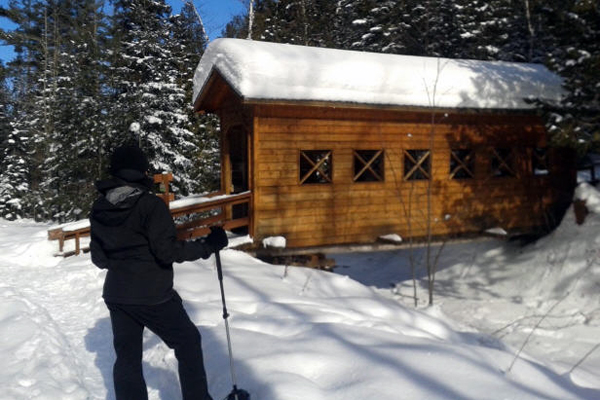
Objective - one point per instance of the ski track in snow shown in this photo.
(41, 322)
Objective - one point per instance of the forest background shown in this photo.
(89, 75)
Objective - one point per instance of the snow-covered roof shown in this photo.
(262, 71)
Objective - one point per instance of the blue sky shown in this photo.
(215, 15)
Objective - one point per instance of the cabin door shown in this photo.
(238, 158)
(238, 168)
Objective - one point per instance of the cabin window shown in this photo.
(417, 165)
(503, 163)
(368, 165)
(539, 161)
(316, 166)
(462, 164)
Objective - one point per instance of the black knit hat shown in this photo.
(128, 158)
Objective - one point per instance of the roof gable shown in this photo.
(280, 72)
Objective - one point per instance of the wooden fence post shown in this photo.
(164, 180)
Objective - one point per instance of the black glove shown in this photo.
(217, 238)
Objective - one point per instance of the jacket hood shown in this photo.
(116, 200)
(125, 179)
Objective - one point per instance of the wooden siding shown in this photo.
(353, 212)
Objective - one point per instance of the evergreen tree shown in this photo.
(430, 28)
(14, 174)
(14, 178)
(4, 105)
(303, 22)
(76, 106)
(510, 30)
(57, 94)
(371, 25)
(30, 117)
(238, 27)
(575, 56)
(150, 106)
(202, 130)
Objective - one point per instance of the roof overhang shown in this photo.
(214, 93)
(217, 90)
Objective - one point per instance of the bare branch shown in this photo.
(589, 353)
(250, 18)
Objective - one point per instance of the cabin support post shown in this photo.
(77, 246)
(226, 183)
(251, 171)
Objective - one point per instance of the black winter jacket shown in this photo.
(133, 236)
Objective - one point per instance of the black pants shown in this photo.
(170, 322)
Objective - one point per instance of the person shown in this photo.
(133, 237)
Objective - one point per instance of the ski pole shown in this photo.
(236, 394)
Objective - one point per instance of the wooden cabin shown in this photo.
(342, 147)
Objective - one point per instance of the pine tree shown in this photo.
(69, 167)
(150, 105)
(14, 174)
(29, 110)
(14, 178)
(303, 22)
(575, 55)
(4, 105)
(57, 94)
(65, 70)
(430, 28)
(189, 44)
(374, 25)
(477, 30)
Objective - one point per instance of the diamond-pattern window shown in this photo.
(417, 165)
(368, 165)
(503, 163)
(316, 166)
(462, 164)
(539, 161)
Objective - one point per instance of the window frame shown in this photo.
(465, 164)
(543, 160)
(373, 165)
(507, 163)
(417, 167)
(315, 167)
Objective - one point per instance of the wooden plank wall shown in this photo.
(349, 212)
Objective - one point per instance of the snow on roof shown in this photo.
(282, 72)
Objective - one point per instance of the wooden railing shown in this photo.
(219, 204)
(75, 231)
(202, 212)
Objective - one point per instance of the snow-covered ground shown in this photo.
(302, 334)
